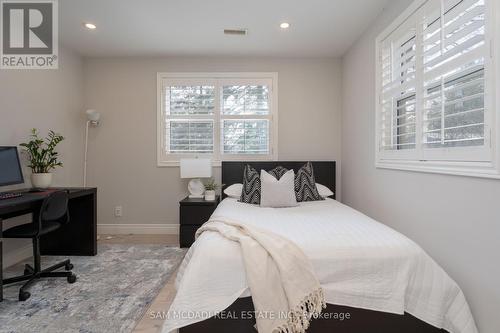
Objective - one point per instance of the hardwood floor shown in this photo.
(150, 323)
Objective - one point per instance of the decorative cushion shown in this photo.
(305, 184)
(278, 193)
(324, 191)
(278, 172)
(234, 191)
(251, 186)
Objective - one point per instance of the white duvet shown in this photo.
(358, 261)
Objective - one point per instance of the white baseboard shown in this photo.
(138, 229)
(16, 255)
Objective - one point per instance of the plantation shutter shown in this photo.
(432, 97)
(245, 125)
(454, 51)
(189, 123)
(397, 118)
(222, 116)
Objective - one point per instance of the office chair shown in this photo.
(53, 214)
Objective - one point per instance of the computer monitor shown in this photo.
(10, 167)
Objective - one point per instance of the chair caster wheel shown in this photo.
(72, 278)
(24, 295)
(68, 267)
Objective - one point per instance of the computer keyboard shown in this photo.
(10, 195)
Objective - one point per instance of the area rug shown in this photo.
(112, 292)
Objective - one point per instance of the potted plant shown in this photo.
(210, 187)
(42, 157)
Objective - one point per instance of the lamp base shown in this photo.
(196, 189)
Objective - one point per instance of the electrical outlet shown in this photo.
(118, 211)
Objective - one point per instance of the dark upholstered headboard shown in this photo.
(324, 172)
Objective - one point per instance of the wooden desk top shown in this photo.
(29, 200)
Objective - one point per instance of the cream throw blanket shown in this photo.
(284, 287)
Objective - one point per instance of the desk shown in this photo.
(77, 238)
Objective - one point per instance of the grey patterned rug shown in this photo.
(111, 294)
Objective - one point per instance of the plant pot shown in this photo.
(41, 180)
(210, 195)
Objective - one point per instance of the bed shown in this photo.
(375, 279)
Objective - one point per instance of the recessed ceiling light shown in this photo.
(90, 26)
(285, 25)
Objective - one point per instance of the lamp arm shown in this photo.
(85, 153)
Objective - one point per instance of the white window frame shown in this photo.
(165, 159)
(442, 163)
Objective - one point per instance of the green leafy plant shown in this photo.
(41, 152)
(211, 185)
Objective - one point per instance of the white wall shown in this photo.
(122, 153)
(44, 99)
(455, 219)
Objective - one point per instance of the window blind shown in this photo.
(223, 117)
(245, 100)
(190, 100)
(399, 81)
(186, 128)
(190, 136)
(453, 66)
(432, 79)
(246, 136)
(241, 135)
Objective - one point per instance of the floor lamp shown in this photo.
(92, 120)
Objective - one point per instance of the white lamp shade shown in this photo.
(196, 168)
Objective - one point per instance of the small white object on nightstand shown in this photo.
(196, 168)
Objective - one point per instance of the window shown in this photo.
(223, 116)
(435, 94)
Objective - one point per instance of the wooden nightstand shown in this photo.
(193, 213)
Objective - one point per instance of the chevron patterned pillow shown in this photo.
(250, 192)
(278, 172)
(305, 184)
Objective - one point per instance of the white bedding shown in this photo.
(358, 261)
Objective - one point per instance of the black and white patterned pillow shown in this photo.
(250, 193)
(305, 185)
(278, 172)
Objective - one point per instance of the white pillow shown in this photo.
(324, 191)
(277, 193)
(234, 191)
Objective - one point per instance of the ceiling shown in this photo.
(319, 28)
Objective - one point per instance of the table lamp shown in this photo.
(196, 168)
